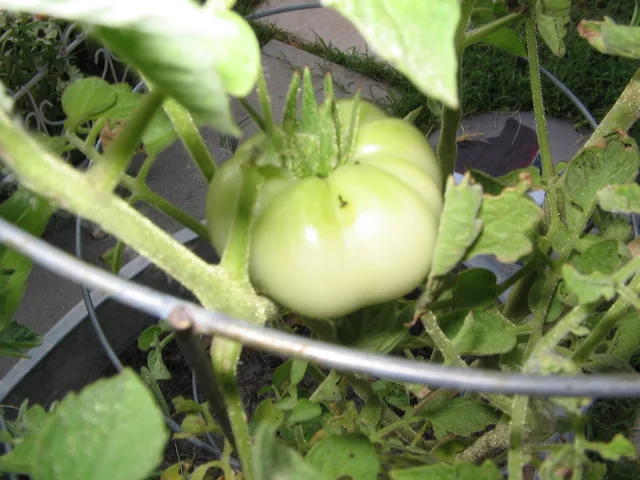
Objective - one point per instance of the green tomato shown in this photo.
(363, 235)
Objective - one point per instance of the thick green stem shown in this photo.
(624, 112)
(487, 445)
(224, 357)
(604, 326)
(560, 330)
(516, 436)
(444, 345)
(235, 258)
(538, 105)
(75, 192)
(106, 174)
(186, 128)
(450, 120)
(478, 34)
(145, 168)
(161, 204)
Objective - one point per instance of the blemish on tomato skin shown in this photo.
(343, 202)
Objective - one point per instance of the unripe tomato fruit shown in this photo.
(362, 235)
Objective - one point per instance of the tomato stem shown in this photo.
(235, 259)
(624, 113)
(106, 174)
(447, 150)
(538, 104)
(478, 34)
(604, 326)
(187, 130)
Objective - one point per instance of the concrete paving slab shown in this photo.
(311, 24)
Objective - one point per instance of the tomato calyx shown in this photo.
(314, 143)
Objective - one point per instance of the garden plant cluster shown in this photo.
(341, 223)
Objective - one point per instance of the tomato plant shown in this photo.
(335, 214)
(325, 243)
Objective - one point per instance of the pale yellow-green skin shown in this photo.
(365, 234)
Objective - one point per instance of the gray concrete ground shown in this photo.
(309, 25)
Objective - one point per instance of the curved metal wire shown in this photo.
(102, 338)
(279, 10)
(165, 306)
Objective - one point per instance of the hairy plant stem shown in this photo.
(186, 128)
(141, 192)
(235, 258)
(447, 149)
(520, 403)
(106, 174)
(478, 34)
(148, 196)
(487, 445)
(624, 113)
(444, 346)
(391, 422)
(516, 457)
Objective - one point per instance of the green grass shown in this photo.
(595, 78)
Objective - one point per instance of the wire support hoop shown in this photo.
(325, 354)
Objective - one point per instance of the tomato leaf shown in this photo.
(588, 288)
(156, 365)
(615, 160)
(626, 341)
(148, 336)
(159, 134)
(612, 39)
(86, 99)
(396, 30)
(185, 405)
(190, 53)
(617, 448)
(460, 416)
(352, 456)
(552, 17)
(304, 411)
(535, 295)
(459, 227)
(507, 40)
(298, 369)
(507, 223)
(16, 337)
(375, 329)
(328, 390)
(479, 332)
(613, 227)
(443, 471)
(620, 198)
(475, 287)
(31, 213)
(111, 429)
(267, 412)
(126, 101)
(271, 459)
(602, 257)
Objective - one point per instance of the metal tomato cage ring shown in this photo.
(161, 306)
